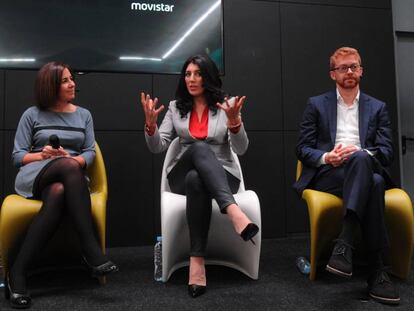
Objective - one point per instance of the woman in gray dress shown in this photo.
(54, 144)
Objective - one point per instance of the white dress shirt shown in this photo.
(347, 124)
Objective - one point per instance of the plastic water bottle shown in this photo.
(303, 265)
(158, 259)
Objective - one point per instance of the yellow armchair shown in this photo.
(17, 212)
(325, 219)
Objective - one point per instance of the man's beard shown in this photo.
(349, 82)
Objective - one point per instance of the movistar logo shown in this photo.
(157, 7)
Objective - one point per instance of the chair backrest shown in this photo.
(172, 151)
(298, 169)
(97, 173)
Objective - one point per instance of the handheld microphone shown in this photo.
(54, 141)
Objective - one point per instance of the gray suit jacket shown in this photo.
(220, 139)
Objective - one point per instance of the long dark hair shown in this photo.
(47, 85)
(211, 84)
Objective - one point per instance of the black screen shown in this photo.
(110, 35)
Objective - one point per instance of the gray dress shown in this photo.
(75, 132)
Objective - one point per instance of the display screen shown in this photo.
(110, 35)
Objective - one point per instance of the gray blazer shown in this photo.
(220, 139)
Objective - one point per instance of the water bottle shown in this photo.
(158, 259)
(303, 265)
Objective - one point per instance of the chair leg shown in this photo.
(313, 260)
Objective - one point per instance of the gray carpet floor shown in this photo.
(280, 287)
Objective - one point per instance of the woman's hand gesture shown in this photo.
(50, 152)
(233, 111)
(150, 109)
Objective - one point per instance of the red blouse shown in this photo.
(199, 129)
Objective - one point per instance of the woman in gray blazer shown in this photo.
(209, 126)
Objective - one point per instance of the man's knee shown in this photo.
(360, 156)
(378, 183)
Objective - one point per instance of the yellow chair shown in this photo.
(17, 212)
(325, 218)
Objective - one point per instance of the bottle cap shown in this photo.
(159, 238)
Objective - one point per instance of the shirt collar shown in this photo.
(341, 101)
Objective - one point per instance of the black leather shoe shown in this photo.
(101, 270)
(195, 290)
(17, 300)
(382, 289)
(249, 232)
(340, 262)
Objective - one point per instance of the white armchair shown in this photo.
(225, 247)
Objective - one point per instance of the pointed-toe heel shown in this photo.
(195, 290)
(249, 232)
(101, 270)
(17, 300)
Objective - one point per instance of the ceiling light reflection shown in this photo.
(140, 58)
(17, 60)
(189, 31)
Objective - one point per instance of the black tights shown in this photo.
(62, 187)
(201, 177)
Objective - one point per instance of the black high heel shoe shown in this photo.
(249, 232)
(101, 270)
(17, 301)
(195, 290)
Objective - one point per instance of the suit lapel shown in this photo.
(331, 104)
(212, 123)
(364, 112)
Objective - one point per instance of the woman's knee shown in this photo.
(200, 147)
(53, 195)
(193, 181)
(70, 166)
(55, 190)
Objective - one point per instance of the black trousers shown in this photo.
(201, 177)
(362, 187)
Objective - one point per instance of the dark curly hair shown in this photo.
(211, 84)
(47, 85)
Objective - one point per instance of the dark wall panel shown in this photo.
(113, 99)
(252, 60)
(9, 171)
(1, 134)
(384, 4)
(19, 86)
(2, 176)
(2, 95)
(296, 210)
(316, 31)
(164, 87)
(262, 167)
(130, 183)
